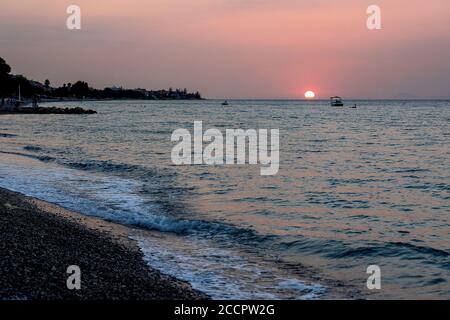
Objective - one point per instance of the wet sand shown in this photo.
(38, 241)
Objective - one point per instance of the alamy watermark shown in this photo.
(73, 21)
(374, 20)
(74, 280)
(241, 146)
(374, 280)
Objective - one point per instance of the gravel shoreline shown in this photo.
(38, 241)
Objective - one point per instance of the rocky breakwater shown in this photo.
(47, 110)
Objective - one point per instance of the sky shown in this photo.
(235, 48)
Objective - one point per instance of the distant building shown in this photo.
(114, 88)
(142, 91)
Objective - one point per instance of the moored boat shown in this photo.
(336, 101)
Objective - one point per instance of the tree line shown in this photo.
(10, 83)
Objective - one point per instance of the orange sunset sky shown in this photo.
(235, 48)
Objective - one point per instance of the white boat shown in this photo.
(336, 101)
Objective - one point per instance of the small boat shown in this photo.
(353, 106)
(225, 103)
(336, 101)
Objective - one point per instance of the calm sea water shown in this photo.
(356, 187)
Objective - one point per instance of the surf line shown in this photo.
(240, 146)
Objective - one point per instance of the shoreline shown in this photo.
(127, 236)
(39, 240)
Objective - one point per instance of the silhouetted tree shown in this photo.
(80, 89)
(5, 87)
(5, 69)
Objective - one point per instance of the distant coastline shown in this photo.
(19, 88)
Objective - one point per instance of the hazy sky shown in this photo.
(235, 48)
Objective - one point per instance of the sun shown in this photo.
(310, 94)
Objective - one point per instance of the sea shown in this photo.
(356, 187)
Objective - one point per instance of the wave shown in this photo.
(389, 249)
(7, 135)
(36, 157)
(170, 221)
(136, 210)
(162, 182)
(102, 166)
(345, 250)
(32, 148)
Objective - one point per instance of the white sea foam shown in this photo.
(222, 273)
